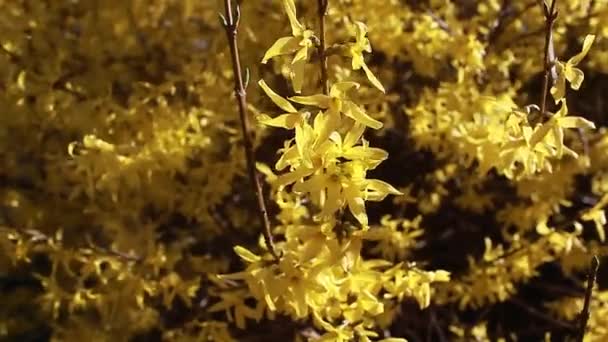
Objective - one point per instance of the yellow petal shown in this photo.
(293, 176)
(356, 113)
(372, 78)
(304, 137)
(340, 88)
(288, 121)
(269, 302)
(266, 171)
(558, 136)
(357, 58)
(289, 155)
(94, 143)
(356, 204)
(324, 128)
(377, 190)
(283, 46)
(354, 134)
(586, 46)
(333, 200)
(539, 133)
(361, 31)
(365, 154)
(542, 228)
(441, 276)
(290, 9)
(575, 76)
(575, 122)
(276, 98)
(314, 184)
(297, 75)
(559, 88)
(301, 56)
(318, 100)
(246, 254)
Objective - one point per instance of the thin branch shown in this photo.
(538, 314)
(595, 265)
(550, 17)
(520, 39)
(506, 16)
(36, 236)
(557, 288)
(322, 12)
(231, 24)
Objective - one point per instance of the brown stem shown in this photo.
(595, 265)
(550, 17)
(322, 11)
(231, 24)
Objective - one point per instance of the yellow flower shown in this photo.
(569, 71)
(556, 126)
(339, 184)
(598, 216)
(338, 102)
(288, 120)
(355, 51)
(235, 300)
(300, 43)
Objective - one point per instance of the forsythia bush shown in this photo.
(432, 170)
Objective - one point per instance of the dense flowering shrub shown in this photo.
(432, 170)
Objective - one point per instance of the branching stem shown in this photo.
(231, 24)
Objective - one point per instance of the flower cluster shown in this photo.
(326, 162)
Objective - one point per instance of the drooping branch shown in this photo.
(231, 24)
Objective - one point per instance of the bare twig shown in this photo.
(538, 314)
(550, 17)
(557, 289)
(231, 24)
(322, 12)
(595, 265)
